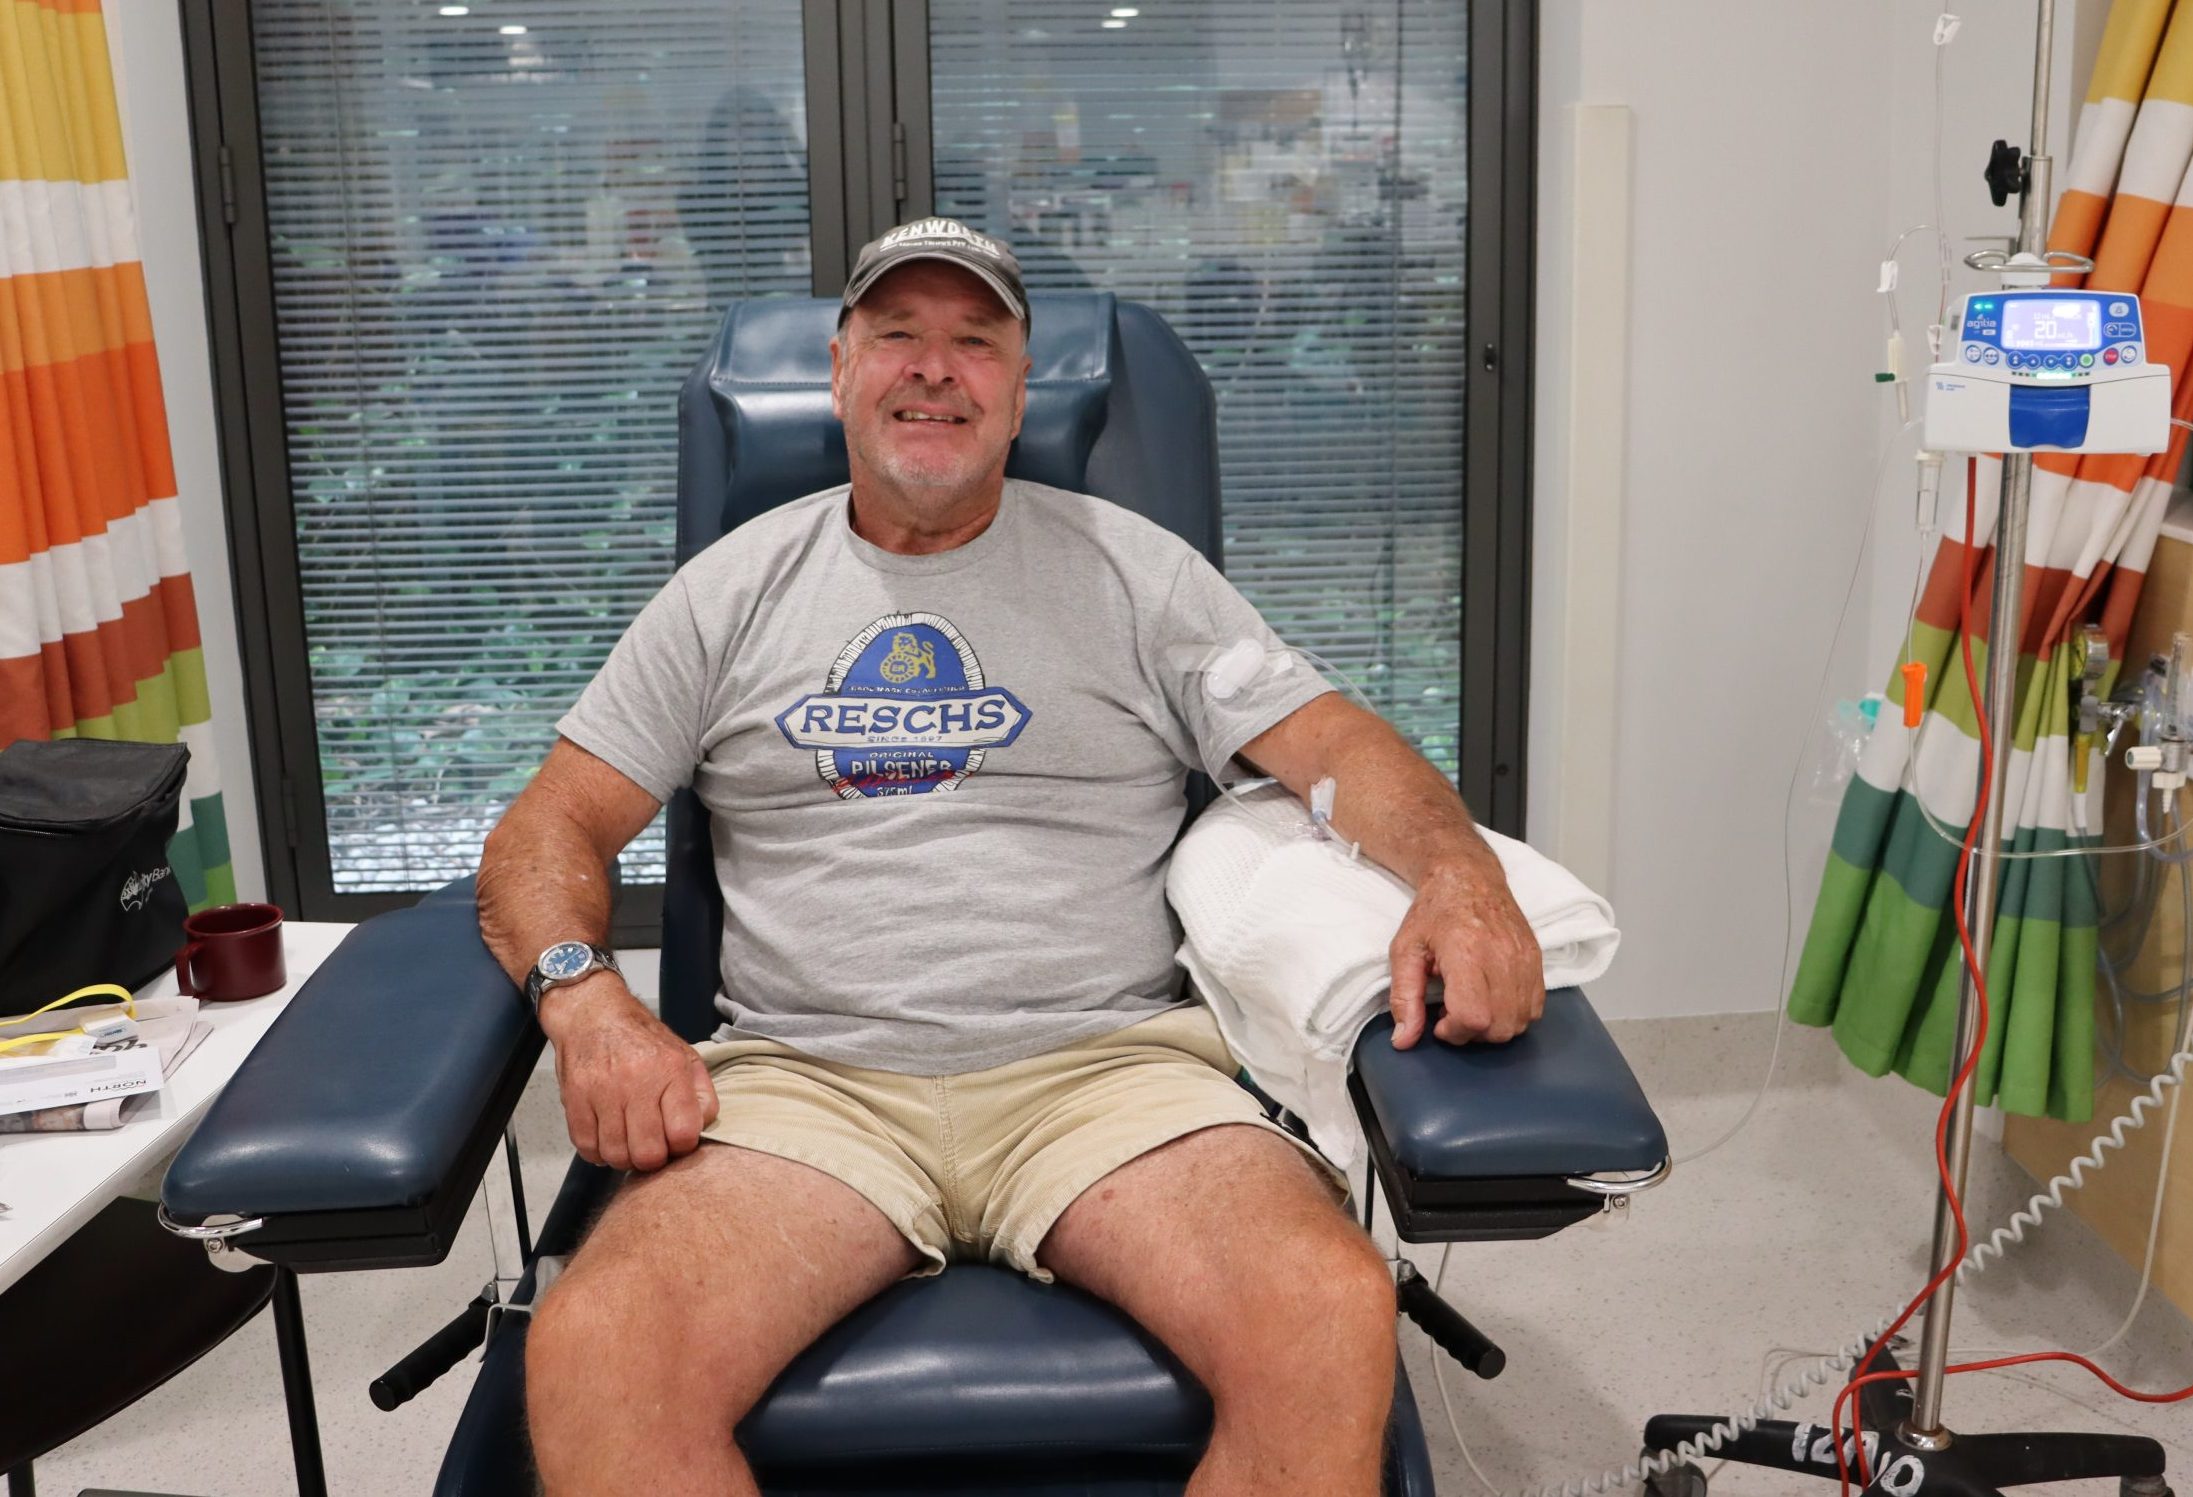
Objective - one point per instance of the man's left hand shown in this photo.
(1466, 929)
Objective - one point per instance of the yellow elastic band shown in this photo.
(96, 990)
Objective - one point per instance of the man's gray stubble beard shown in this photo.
(910, 476)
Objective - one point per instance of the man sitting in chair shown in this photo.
(941, 724)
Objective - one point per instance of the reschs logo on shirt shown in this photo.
(904, 711)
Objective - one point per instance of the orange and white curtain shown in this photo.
(98, 626)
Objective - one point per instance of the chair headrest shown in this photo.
(756, 429)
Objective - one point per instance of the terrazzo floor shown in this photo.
(1795, 1236)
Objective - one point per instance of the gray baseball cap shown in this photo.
(945, 239)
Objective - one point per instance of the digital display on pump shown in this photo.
(2036, 323)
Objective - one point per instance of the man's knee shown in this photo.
(1350, 1288)
(1323, 1306)
(624, 1333)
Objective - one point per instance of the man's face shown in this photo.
(929, 375)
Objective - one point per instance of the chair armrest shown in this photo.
(358, 1129)
(1477, 1141)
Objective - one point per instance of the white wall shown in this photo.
(145, 37)
(1778, 151)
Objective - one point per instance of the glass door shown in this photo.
(1287, 182)
(498, 235)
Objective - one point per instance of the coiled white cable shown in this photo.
(2184, 1042)
(2029, 1216)
(1823, 1371)
(1819, 1375)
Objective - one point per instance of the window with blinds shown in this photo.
(502, 232)
(1285, 181)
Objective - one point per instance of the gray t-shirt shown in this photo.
(943, 788)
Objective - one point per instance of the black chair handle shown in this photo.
(434, 1356)
(1444, 1324)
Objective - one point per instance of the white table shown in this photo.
(55, 1182)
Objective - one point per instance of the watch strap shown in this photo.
(537, 983)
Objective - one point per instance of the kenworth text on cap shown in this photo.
(945, 239)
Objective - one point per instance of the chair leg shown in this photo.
(304, 1424)
(20, 1483)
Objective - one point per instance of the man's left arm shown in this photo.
(1465, 926)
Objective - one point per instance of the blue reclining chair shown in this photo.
(356, 1134)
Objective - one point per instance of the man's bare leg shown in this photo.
(1227, 1247)
(697, 1287)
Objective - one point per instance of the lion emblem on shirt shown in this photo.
(910, 657)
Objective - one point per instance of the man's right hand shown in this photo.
(635, 1096)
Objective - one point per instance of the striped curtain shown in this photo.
(98, 626)
(1881, 962)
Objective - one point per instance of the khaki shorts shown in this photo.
(978, 1166)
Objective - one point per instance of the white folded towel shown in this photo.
(1287, 938)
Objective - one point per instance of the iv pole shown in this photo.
(1924, 1428)
(1916, 1455)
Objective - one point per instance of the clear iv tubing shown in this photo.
(1941, 243)
(2139, 821)
(2178, 833)
(2170, 1135)
(1956, 839)
(2111, 962)
(1789, 800)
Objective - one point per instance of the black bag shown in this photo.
(86, 894)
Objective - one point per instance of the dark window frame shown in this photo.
(869, 167)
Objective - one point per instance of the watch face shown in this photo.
(568, 959)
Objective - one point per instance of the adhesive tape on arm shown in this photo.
(1234, 669)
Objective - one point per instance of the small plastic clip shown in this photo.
(111, 1029)
(1946, 27)
(1929, 498)
(1914, 672)
(1322, 796)
(1888, 277)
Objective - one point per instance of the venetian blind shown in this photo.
(1284, 180)
(502, 232)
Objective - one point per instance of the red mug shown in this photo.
(233, 951)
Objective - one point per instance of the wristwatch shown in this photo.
(566, 962)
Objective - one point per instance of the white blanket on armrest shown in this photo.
(1287, 937)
